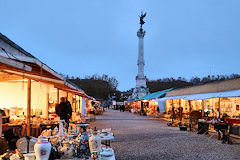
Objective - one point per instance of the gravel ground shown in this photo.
(141, 137)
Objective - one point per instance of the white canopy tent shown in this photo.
(231, 93)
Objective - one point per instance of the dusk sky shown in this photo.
(80, 37)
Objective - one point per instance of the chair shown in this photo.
(11, 138)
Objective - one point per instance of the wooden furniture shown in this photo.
(234, 134)
(193, 119)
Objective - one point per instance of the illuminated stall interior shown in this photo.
(212, 107)
(152, 107)
(149, 103)
(13, 97)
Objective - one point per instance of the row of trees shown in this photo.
(165, 83)
(100, 87)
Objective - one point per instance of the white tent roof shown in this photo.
(231, 93)
(13, 60)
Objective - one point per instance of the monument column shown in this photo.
(141, 79)
(141, 87)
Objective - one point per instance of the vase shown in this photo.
(61, 131)
(94, 142)
(67, 150)
(82, 144)
(29, 156)
(42, 148)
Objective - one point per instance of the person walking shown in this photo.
(69, 110)
(180, 112)
(64, 111)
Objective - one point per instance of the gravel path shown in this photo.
(141, 137)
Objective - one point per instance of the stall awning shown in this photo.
(231, 93)
(155, 95)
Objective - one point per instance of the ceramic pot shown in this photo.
(29, 156)
(61, 131)
(14, 157)
(82, 145)
(94, 142)
(67, 150)
(42, 148)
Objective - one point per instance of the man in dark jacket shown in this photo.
(69, 109)
(64, 110)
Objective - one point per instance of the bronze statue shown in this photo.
(141, 19)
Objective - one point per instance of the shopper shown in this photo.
(180, 112)
(69, 110)
(64, 111)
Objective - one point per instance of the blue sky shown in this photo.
(77, 37)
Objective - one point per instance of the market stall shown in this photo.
(78, 142)
(148, 104)
(210, 104)
(29, 93)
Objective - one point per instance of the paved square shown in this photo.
(141, 137)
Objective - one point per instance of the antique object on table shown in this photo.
(106, 131)
(29, 156)
(15, 157)
(94, 141)
(47, 133)
(94, 155)
(55, 131)
(106, 152)
(67, 150)
(23, 146)
(81, 144)
(42, 148)
(61, 129)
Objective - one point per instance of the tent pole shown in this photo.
(190, 118)
(219, 106)
(28, 106)
(81, 109)
(57, 96)
(87, 105)
(47, 107)
(79, 104)
(75, 103)
(203, 107)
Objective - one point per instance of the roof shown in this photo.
(14, 45)
(33, 67)
(219, 86)
(200, 96)
(154, 95)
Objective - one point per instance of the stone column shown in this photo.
(141, 79)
